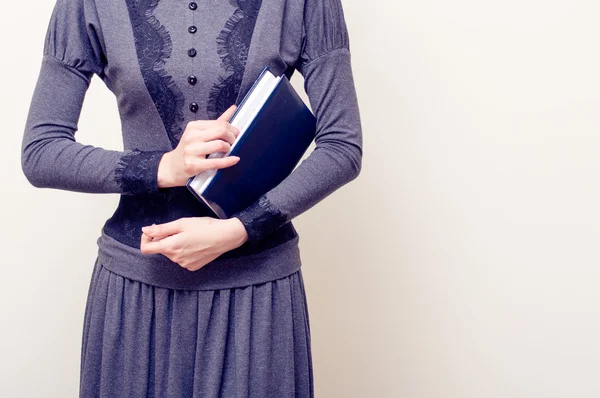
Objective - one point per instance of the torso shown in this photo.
(149, 64)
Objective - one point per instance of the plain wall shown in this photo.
(464, 260)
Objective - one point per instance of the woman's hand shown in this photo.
(192, 242)
(200, 138)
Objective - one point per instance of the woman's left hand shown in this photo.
(193, 242)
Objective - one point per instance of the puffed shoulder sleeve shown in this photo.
(325, 64)
(324, 31)
(73, 52)
(74, 37)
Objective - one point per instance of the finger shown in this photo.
(146, 235)
(198, 126)
(158, 237)
(220, 163)
(215, 132)
(162, 246)
(228, 113)
(219, 124)
(145, 239)
(201, 149)
(199, 165)
(166, 229)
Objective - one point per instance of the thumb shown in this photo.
(228, 113)
(161, 230)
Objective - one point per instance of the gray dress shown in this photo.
(239, 325)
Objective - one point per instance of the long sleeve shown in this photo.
(51, 157)
(325, 64)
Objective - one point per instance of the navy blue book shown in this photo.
(276, 129)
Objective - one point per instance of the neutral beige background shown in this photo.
(463, 262)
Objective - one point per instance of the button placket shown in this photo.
(192, 80)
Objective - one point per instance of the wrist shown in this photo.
(239, 235)
(165, 178)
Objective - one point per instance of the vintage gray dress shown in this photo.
(239, 326)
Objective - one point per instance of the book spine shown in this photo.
(200, 198)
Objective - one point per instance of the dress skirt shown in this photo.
(141, 340)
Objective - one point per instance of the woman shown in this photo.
(181, 304)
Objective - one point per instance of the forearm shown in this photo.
(52, 158)
(316, 178)
(336, 159)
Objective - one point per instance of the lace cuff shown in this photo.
(137, 172)
(260, 219)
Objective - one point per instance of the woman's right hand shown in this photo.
(200, 138)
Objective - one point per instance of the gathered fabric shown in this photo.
(141, 340)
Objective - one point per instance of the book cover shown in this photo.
(269, 149)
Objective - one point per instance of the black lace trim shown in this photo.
(260, 219)
(137, 171)
(233, 45)
(153, 46)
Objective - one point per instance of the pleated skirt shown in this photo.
(140, 340)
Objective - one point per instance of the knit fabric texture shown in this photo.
(171, 62)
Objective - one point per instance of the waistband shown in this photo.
(222, 273)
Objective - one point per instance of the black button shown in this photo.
(193, 5)
(194, 107)
(192, 29)
(192, 80)
(192, 52)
